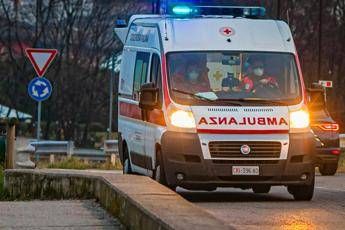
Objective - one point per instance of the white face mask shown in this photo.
(259, 71)
(193, 76)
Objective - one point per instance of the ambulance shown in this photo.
(212, 97)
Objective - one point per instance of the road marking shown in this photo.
(334, 190)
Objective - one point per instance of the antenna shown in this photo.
(165, 20)
(156, 5)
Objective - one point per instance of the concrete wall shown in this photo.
(138, 202)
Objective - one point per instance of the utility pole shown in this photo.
(320, 40)
(10, 156)
(111, 95)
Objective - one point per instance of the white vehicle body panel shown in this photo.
(156, 34)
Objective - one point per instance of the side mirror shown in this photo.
(148, 97)
(316, 98)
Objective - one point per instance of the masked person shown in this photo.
(257, 79)
(193, 80)
(230, 83)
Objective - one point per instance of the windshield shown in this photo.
(257, 77)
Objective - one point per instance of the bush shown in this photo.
(2, 149)
(2, 193)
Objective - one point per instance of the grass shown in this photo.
(75, 163)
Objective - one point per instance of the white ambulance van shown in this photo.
(215, 99)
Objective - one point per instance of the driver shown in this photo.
(257, 78)
(193, 80)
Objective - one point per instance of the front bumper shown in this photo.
(182, 154)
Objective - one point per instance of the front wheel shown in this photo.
(159, 173)
(126, 167)
(328, 169)
(303, 192)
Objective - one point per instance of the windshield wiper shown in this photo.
(192, 95)
(263, 101)
(235, 102)
(251, 100)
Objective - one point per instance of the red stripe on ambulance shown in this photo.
(235, 131)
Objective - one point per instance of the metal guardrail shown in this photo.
(111, 147)
(90, 154)
(53, 149)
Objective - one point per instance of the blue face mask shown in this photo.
(193, 76)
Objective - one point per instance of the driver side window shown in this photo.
(156, 75)
(140, 72)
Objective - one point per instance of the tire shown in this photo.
(302, 192)
(328, 169)
(159, 172)
(126, 167)
(261, 189)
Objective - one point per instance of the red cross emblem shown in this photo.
(226, 31)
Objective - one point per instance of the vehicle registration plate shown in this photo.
(245, 170)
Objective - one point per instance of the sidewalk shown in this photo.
(55, 215)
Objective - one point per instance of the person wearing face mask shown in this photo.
(194, 80)
(257, 78)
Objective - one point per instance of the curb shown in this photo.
(137, 201)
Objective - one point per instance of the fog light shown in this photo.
(179, 176)
(304, 176)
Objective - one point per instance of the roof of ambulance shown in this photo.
(203, 33)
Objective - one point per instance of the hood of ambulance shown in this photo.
(197, 34)
(241, 120)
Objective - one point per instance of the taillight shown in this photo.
(335, 151)
(329, 126)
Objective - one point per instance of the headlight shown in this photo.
(299, 119)
(182, 119)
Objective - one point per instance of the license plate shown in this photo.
(245, 170)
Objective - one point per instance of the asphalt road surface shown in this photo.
(243, 209)
(86, 215)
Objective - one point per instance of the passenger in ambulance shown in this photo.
(257, 79)
(230, 83)
(193, 80)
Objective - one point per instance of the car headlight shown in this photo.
(299, 119)
(182, 119)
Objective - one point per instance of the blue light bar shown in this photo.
(200, 10)
(184, 10)
(254, 12)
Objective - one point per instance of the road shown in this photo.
(55, 215)
(277, 210)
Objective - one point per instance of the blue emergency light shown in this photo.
(120, 23)
(185, 10)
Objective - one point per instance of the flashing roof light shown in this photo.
(235, 11)
(120, 23)
(183, 10)
(254, 12)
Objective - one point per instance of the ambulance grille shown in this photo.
(232, 149)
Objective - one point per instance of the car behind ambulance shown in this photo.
(218, 100)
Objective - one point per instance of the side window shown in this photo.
(155, 68)
(156, 75)
(140, 72)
